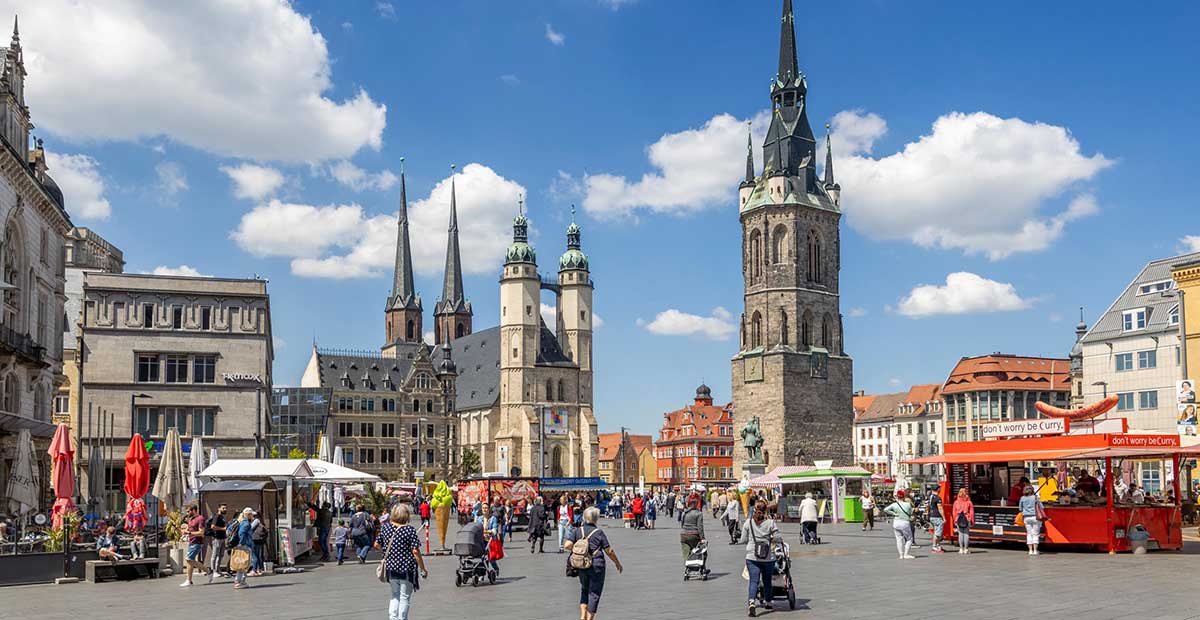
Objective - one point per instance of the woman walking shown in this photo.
(566, 515)
(692, 532)
(963, 513)
(591, 580)
(732, 518)
(651, 508)
(245, 540)
(759, 534)
(1034, 515)
(868, 507)
(401, 560)
(901, 511)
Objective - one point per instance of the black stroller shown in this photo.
(471, 549)
(781, 580)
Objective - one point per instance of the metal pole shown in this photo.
(542, 442)
(91, 440)
(1183, 359)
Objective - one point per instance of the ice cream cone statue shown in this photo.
(441, 510)
(743, 491)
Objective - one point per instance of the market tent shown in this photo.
(256, 469)
(324, 472)
(572, 484)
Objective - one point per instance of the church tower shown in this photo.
(575, 309)
(792, 371)
(14, 114)
(452, 313)
(403, 312)
(520, 341)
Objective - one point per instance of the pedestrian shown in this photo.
(323, 523)
(963, 513)
(195, 549)
(566, 516)
(510, 517)
(679, 507)
(639, 512)
(402, 561)
(691, 533)
(760, 535)
(137, 548)
(936, 519)
(721, 504)
(614, 506)
(215, 526)
(537, 525)
(651, 512)
(245, 541)
(868, 508)
(1034, 514)
(808, 518)
(595, 546)
(258, 534)
(360, 533)
(340, 534)
(425, 512)
(902, 512)
(731, 517)
(670, 503)
(492, 532)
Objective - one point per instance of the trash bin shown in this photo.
(852, 509)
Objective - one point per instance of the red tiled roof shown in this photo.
(862, 403)
(920, 396)
(702, 416)
(610, 443)
(1009, 372)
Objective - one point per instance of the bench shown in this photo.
(96, 571)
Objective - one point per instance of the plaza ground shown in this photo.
(851, 575)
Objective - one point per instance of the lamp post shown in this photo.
(133, 412)
(420, 455)
(1103, 384)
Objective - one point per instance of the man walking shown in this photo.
(215, 527)
(360, 532)
(195, 533)
(324, 522)
(537, 525)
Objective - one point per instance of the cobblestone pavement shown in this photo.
(851, 575)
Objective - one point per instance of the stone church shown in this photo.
(488, 391)
(792, 371)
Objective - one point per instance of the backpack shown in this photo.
(259, 533)
(581, 560)
(231, 534)
(208, 527)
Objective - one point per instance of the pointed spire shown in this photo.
(789, 68)
(452, 286)
(829, 182)
(403, 293)
(16, 30)
(749, 156)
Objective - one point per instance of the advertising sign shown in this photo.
(1185, 399)
(469, 492)
(1025, 428)
(555, 422)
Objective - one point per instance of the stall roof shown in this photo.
(332, 473)
(572, 484)
(792, 473)
(236, 485)
(257, 469)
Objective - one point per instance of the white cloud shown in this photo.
(1055, 317)
(1190, 243)
(252, 181)
(341, 241)
(429, 337)
(171, 180)
(278, 343)
(182, 270)
(510, 79)
(696, 168)
(717, 326)
(976, 182)
(78, 176)
(386, 10)
(858, 312)
(348, 26)
(894, 382)
(359, 180)
(963, 293)
(616, 5)
(556, 38)
(565, 187)
(244, 79)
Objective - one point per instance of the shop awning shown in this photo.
(324, 472)
(998, 457)
(572, 484)
(256, 469)
(798, 473)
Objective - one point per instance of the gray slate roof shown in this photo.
(478, 359)
(374, 367)
(1158, 308)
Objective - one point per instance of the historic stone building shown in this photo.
(792, 371)
(86, 251)
(696, 443)
(486, 391)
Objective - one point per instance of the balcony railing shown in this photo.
(22, 345)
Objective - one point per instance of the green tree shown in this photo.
(296, 453)
(274, 452)
(375, 501)
(470, 464)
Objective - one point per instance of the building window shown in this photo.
(204, 421)
(204, 369)
(1125, 401)
(349, 457)
(429, 458)
(387, 430)
(345, 429)
(1148, 400)
(388, 404)
(206, 317)
(366, 429)
(177, 317)
(1132, 320)
(366, 456)
(1124, 361)
(413, 431)
(416, 408)
(146, 421)
(147, 369)
(1148, 359)
(368, 404)
(387, 456)
(147, 315)
(62, 404)
(177, 368)
(1155, 287)
(175, 417)
(1151, 479)
(429, 406)
(429, 431)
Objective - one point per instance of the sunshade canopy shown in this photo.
(137, 467)
(331, 473)
(572, 484)
(256, 469)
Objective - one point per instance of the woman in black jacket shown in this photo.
(537, 525)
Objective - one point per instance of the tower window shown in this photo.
(779, 248)
(549, 390)
(783, 329)
(582, 315)
(528, 310)
(756, 330)
(460, 330)
(814, 258)
(409, 330)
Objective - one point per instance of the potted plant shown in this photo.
(174, 531)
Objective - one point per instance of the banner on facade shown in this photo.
(555, 421)
(1025, 428)
(1185, 398)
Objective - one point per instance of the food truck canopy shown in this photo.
(572, 484)
(256, 469)
(324, 472)
(1061, 448)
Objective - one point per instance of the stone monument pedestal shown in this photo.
(754, 470)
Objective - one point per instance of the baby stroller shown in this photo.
(471, 550)
(781, 580)
(697, 563)
(809, 529)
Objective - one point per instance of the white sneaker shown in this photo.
(909, 557)
(211, 576)
(186, 584)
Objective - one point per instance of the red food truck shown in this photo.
(487, 489)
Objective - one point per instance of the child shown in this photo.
(106, 546)
(138, 547)
(340, 534)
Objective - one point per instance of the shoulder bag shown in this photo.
(762, 548)
(239, 559)
(381, 570)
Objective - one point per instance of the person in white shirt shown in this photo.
(808, 519)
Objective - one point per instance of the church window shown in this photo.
(779, 248)
(408, 331)
(814, 257)
(562, 393)
(755, 254)
(515, 340)
(806, 329)
(826, 331)
(549, 390)
(528, 310)
(460, 330)
(783, 327)
(756, 330)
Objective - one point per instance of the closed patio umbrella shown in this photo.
(196, 465)
(22, 487)
(170, 485)
(323, 453)
(339, 494)
(63, 476)
(95, 490)
(137, 480)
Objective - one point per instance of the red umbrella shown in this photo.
(63, 474)
(137, 482)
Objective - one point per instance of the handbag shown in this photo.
(1020, 520)
(495, 550)
(381, 570)
(239, 559)
(762, 549)
(1041, 513)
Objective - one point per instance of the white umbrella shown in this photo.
(323, 453)
(339, 494)
(22, 488)
(212, 455)
(196, 465)
(170, 485)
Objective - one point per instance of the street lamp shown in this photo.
(420, 454)
(1103, 384)
(133, 411)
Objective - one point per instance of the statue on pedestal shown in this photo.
(752, 441)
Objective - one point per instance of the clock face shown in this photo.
(753, 369)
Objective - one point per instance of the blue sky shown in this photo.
(1045, 153)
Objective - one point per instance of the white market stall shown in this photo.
(835, 488)
(290, 476)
